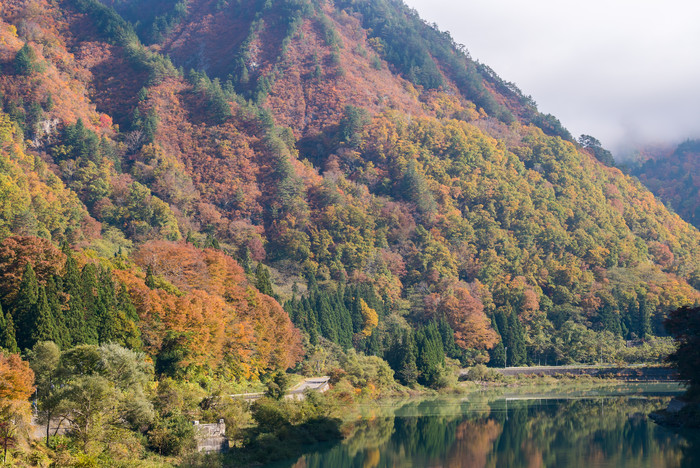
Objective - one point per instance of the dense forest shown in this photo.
(672, 175)
(215, 191)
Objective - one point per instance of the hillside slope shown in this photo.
(674, 177)
(359, 153)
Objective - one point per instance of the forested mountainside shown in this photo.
(174, 172)
(673, 175)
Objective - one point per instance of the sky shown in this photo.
(624, 71)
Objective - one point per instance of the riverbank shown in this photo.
(679, 413)
(512, 428)
(627, 373)
(287, 429)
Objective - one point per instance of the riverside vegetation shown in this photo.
(211, 192)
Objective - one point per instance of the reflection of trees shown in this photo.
(582, 432)
(473, 443)
(528, 433)
(372, 434)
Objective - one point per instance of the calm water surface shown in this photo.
(593, 428)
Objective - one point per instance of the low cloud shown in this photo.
(626, 71)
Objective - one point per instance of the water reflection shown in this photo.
(598, 432)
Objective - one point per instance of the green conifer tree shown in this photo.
(75, 314)
(246, 260)
(516, 349)
(150, 278)
(106, 313)
(498, 353)
(26, 61)
(262, 280)
(408, 370)
(326, 318)
(431, 356)
(448, 339)
(93, 309)
(25, 306)
(44, 328)
(53, 286)
(645, 311)
(8, 341)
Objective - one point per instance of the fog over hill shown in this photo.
(625, 71)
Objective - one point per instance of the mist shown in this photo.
(626, 72)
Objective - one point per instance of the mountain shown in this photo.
(392, 185)
(672, 175)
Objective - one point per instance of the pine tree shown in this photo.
(498, 353)
(431, 356)
(44, 328)
(8, 340)
(123, 327)
(150, 278)
(24, 306)
(448, 339)
(408, 369)
(75, 314)
(644, 316)
(262, 280)
(327, 324)
(609, 319)
(356, 312)
(52, 296)
(106, 313)
(374, 345)
(246, 260)
(516, 349)
(93, 308)
(26, 61)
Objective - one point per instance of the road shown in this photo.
(634, 373)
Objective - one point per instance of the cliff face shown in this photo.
(347, 142)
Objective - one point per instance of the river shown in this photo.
(604, 427)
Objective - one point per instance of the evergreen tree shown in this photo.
(106, 314)
(313, 322)
(150, 278)
(246, 260)
(125, 304)
(26, 61)
(53, 286)
(262, 280)
(123, 328)
(513, 336)
(645, 311)
(25, 306)
(610, 319)
(374, 345)
(448, 339)
(327, 325)
(93, 309)
(8, 340)
(430, 358)
(498, 352)
(44, 328)
(516, 349)
(75, 314)
(356, 312)
(408, 369)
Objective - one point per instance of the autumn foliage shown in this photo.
(205, 304)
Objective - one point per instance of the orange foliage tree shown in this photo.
(465, 314)
(204, 302)
(16, 252)
(16, 386)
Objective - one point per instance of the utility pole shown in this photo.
(506, 363)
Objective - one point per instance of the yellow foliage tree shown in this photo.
(370, 319)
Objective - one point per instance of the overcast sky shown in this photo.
(624, 71)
